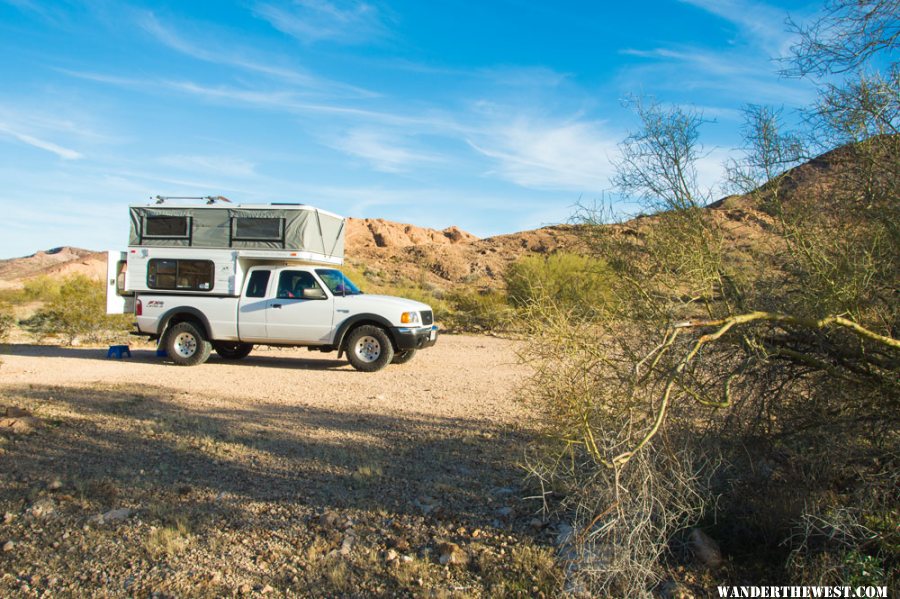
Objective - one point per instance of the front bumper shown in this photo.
(415, 338)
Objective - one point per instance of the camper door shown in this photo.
(118, 301)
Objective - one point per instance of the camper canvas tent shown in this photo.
(269, 227)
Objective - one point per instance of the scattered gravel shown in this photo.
(285, 474)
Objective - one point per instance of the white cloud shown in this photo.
(204, 45)
(573, 155)
(43, 144)
(313, 21)
(762, 25)
(215, 165)
(385, 152)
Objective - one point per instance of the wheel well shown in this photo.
(185, 317)
(363, 323)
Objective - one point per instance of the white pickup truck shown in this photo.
(289, 306)
(199, 278)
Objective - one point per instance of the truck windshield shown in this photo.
(337, 282)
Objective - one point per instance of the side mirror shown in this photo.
(315, 294)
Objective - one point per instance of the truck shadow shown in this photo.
(150, 445)
(148, 356)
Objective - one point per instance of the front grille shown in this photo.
(427, 317)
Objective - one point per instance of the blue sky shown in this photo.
(494, 116)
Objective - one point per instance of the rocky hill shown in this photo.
(389, 252)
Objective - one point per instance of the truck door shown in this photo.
(292, 318)
(254, 306)
(118, 301)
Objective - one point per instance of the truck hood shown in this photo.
(389, 301)
(386, 306)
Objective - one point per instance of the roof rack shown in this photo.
(209, 199)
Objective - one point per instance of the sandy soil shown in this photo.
(285, 474)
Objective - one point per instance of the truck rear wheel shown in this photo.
(369, 348)
(232, 351)
(186, 344)
(402, 357)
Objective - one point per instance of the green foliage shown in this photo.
(43, 288)
(575, 283)
(7, 322)
(76, 308)
(480, 311)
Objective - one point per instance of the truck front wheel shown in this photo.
(232, 351)
(187, 345)
(369, 348)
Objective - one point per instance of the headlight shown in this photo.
(409, 317)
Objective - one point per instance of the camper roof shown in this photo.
(295, 227)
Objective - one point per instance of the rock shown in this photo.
(55, 485)
(346, 545)
(451, 554)
(8, 546)
(675, 590)
(406, 559)
(328, 519)
(267, 589)
(14, 412)
(391, 556)
(111, 516)
(245, 589)
(8, 517)
(21, 425)
(706, 549)
(42, 508)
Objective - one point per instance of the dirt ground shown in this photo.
(285, 474)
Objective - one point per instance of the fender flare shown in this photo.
(351, 322)
(172, 312)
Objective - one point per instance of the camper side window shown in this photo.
(183, 275)
(257, 229)
(166, 227)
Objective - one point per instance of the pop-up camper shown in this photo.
(225, 277)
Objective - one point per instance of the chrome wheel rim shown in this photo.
(185, 345)
(368, 349)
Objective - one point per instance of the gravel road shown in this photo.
(285, 474)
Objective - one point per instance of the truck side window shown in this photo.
(291, 283)
(259, 282)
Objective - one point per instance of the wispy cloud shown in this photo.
(735, 75)
(43, 144)
(761, 24)
(312, 21)
(227, 166)
(542, 154)
(212, 51)
(385, 152)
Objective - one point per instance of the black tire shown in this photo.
(402, 357)
(369, 348)
(187, 345)
(232, 350)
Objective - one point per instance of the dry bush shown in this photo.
(733, 374)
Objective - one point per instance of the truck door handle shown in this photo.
(276, 305)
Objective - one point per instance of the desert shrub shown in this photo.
(43, 288)
(7, 323)
(480, 310)
(577, 283)
(76, 310)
